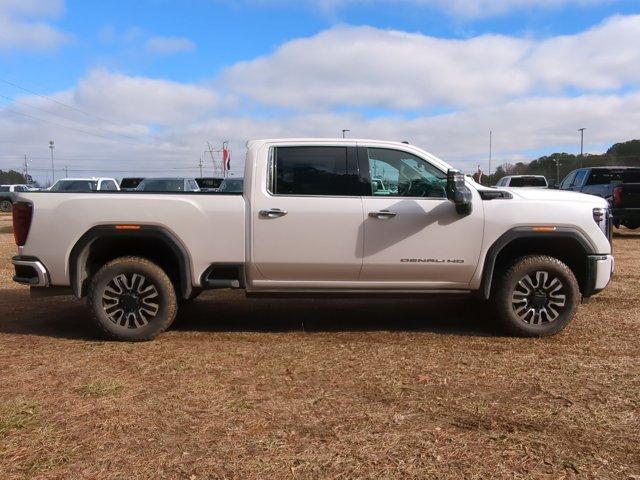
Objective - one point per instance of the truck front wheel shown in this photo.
(5, 206)
(132, 299)
(536, 296)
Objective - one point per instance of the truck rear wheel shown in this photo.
(537, 296)
(132, 299)
(5, 206)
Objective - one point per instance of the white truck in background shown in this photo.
(310, 222)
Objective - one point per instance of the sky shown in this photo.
(138, 88)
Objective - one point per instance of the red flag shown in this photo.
(226, 158)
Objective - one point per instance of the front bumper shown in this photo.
(600, 269)
(30, 271)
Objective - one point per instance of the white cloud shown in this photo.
(21, 24)
(365, 66)
(169, 45)
(143, 100)
(463, 9)
(513, 86)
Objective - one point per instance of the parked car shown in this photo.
(530, 181)
(84, 185)
(128, 184)
(209, 184)
(168, 185)
(6, 195)
(309, 222)
(231, 185)
(620, 186)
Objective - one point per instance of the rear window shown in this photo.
(528, 182)
(208, 182)
(606, 176)
(162, 185)
(4, 189)
(130, 182)
(314, 171)
(74, 186)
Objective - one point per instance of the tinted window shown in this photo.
(74, 186)
(231, 185)
(400, 174)
(208, 182)
(130, 182)
(193, 186)
(606, 176)
(161, 185)
(314, 171)
(566, 183)
(109, 185)
(528, 182)
(579, 178)
(4, 189)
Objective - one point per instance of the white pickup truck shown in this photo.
(310, 221)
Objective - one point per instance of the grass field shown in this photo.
(257, 389)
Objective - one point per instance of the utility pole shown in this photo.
(490, 151)
(66, 172)
(200, 165)
(26, 169)
(581, 130)
(211, 151)
(53, 173)
(345, 130)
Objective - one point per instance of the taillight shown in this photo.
(617, 196)
(22, 214)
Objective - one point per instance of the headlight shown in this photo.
(603, 218)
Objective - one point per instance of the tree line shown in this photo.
(619, 154)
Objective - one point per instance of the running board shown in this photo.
(223, 275)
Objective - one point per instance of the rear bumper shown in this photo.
(623, 214)
(599, 271)
(30, 271)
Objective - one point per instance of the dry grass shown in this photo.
(246, 389)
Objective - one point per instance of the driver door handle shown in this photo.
(382, 214)
(273, 213)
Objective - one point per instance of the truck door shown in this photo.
(307, 216)
(413, 234)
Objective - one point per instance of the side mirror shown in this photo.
(458, 192)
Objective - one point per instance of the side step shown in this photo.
(223, 275)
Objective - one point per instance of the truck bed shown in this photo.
(213, 226)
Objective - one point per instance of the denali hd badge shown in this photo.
(431, 260)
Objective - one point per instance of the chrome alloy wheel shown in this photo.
(538, 298)
(130, 300)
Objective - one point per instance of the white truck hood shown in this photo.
(545, 194)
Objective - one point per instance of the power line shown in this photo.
(13, 100)
(73, 128)
(25, 89)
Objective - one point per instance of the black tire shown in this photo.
(5, 206)
(139, 289)
(536, 296)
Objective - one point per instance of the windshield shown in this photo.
(74, 186)
(4, 189)
(231, 185)
(208, 182)
(130, 182)
(161, 185)
(528, 182)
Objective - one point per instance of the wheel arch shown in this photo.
(565, 243)
(103, 243)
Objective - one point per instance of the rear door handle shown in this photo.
(383, 214)
(273, 213)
